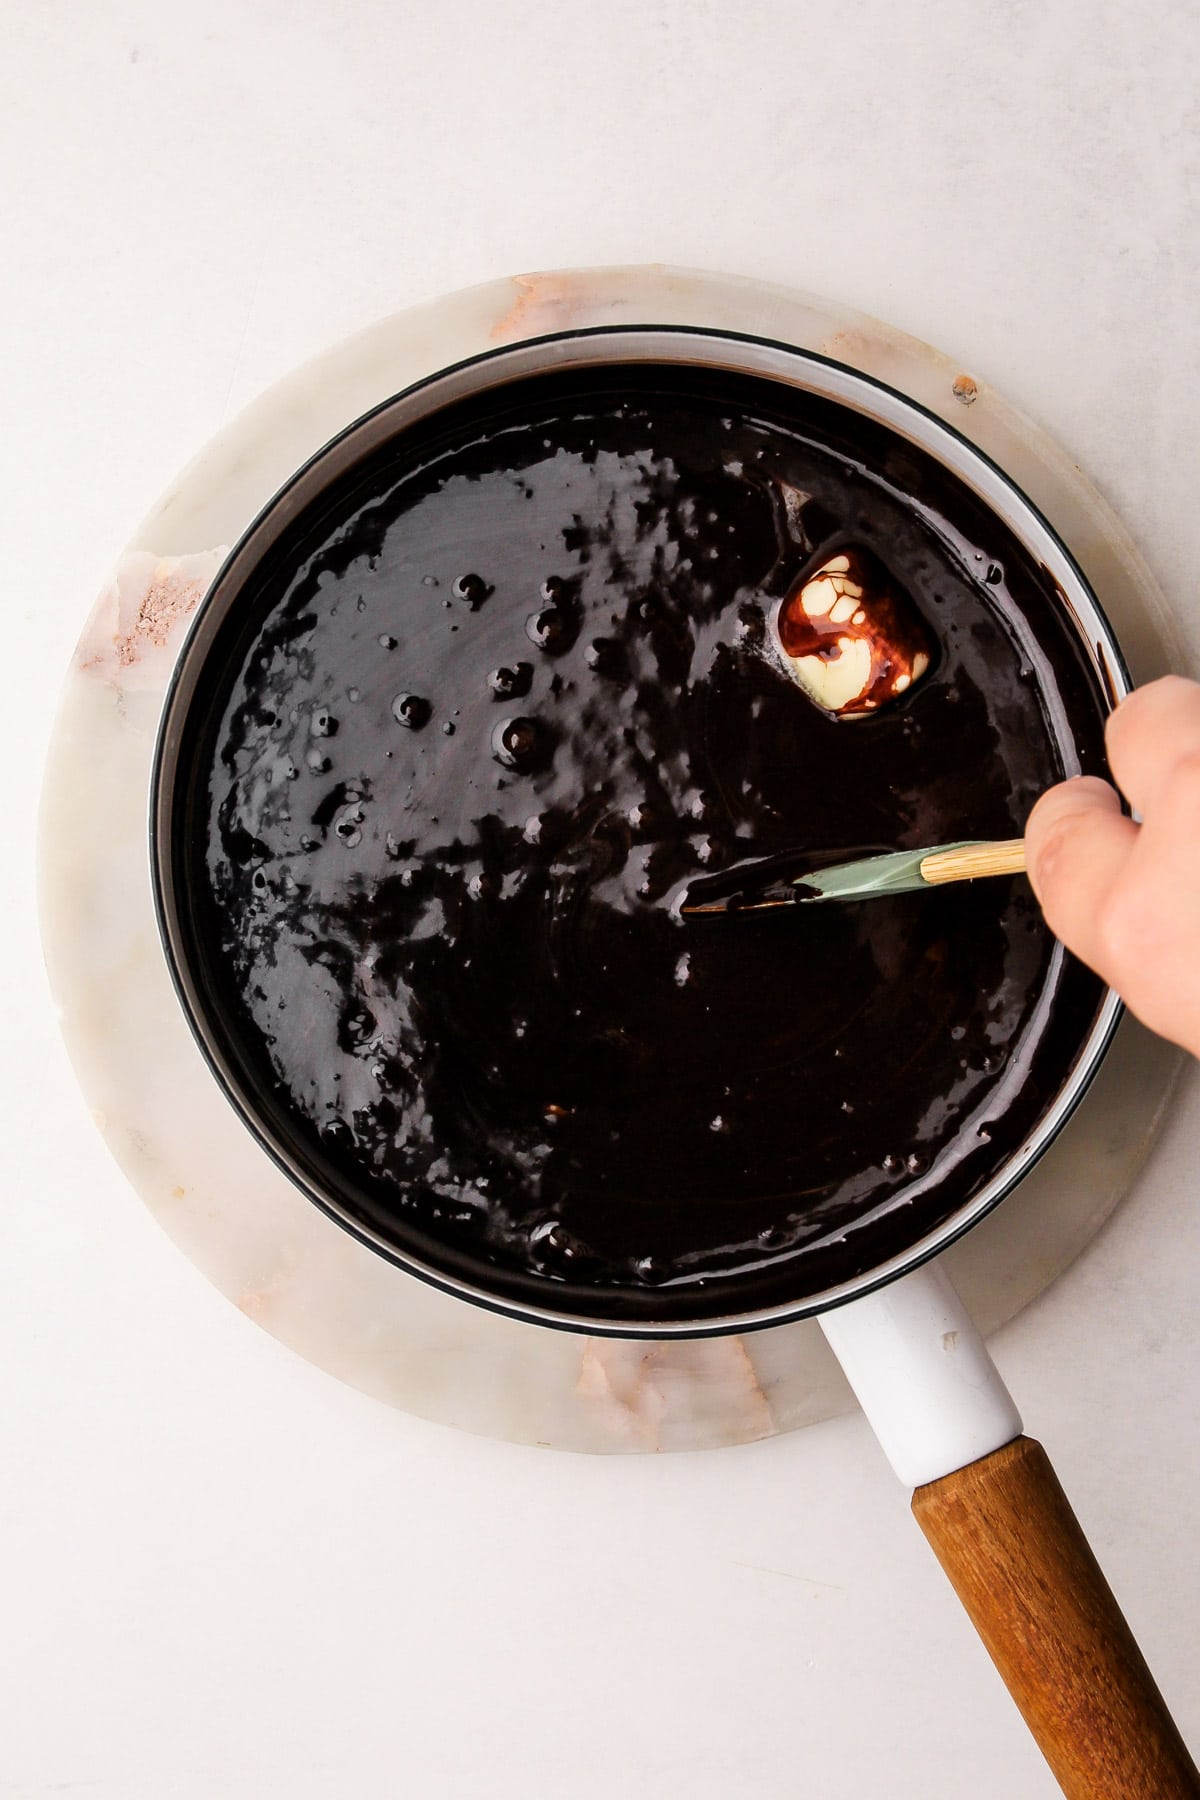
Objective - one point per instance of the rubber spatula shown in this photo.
(898, 872)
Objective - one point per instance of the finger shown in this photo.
(1150, 924)
(1077, 843)
(1156, 727)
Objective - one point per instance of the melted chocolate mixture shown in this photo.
(463, 746)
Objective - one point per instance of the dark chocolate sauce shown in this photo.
(484, 717)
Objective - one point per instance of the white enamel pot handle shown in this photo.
(989, 1502)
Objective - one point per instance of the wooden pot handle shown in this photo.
(1004, 1532)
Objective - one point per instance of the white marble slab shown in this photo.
(216, 1193)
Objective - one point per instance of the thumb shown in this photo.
(1077, 842)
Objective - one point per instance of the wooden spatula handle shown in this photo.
(1004, 1532)
(971, 861)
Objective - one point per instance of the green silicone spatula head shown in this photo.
(898, 872)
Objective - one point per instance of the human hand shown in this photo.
(1124, 897)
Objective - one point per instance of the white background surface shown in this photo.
(222, 1574)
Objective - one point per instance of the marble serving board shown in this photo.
(215, 1191)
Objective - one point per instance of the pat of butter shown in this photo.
(851, 637)
(835, 681)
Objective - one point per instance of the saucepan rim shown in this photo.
(740, 353)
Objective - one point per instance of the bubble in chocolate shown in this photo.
(324, 724)
(356, 1026)
(516, 742)
(473, 589)
(548, 629)
(411, 711)
(557, 1248)
(511, 682)
(651, 1270)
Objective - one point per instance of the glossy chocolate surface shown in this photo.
(456, 756)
